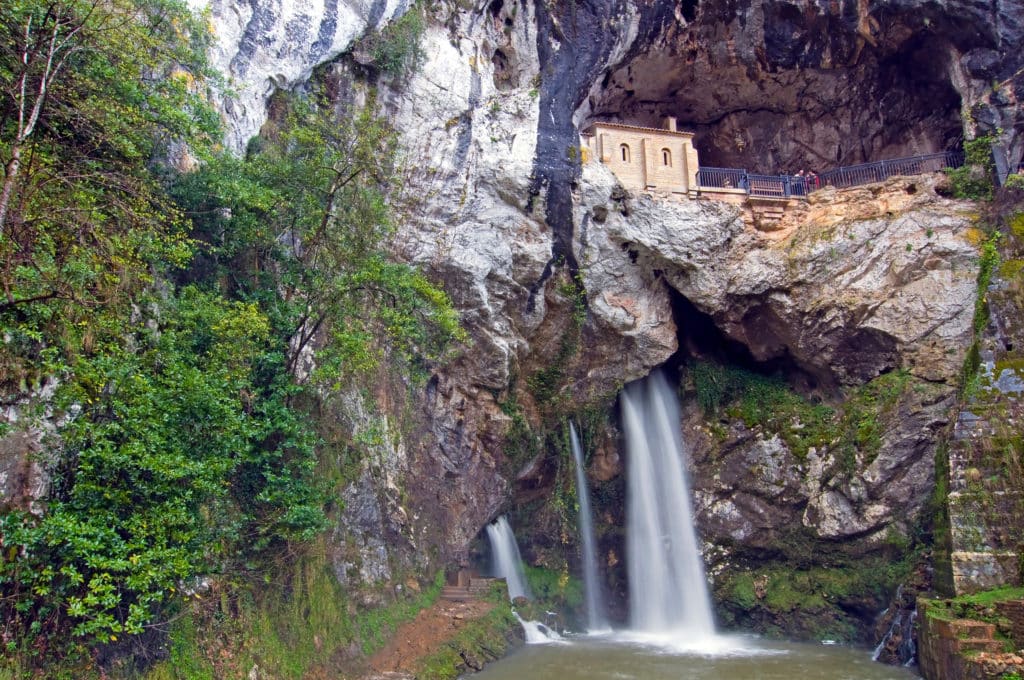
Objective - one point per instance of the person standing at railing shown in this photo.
(799, 183)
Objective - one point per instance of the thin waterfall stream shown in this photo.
(596, 617)
(507, 562)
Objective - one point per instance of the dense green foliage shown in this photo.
(181, 462)
(305, 218)
(180, 448)
(396, 50)
(973, 180)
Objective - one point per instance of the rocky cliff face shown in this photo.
(260, 47)
(569, 286)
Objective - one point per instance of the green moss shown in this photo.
(987, 264)
(865, 416)
(741, 591)
(289, 630)
(763, 402)
(810, 602)
(1016, 224)
(768, 404)
(546, 384)
(976, 607)
(1011, 268)
(989, 597)
(555, 590)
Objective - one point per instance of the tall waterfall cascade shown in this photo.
(596, 617)
(507, 562)
(668, 592)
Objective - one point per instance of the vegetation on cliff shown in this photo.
(170, 315)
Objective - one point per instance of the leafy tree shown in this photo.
(180, 451)
(302, 224)
(91, 90)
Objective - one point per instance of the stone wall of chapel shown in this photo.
(644, 166)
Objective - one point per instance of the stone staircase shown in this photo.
(947, 648)
(973, 636)
(468, 588)
(986, 506)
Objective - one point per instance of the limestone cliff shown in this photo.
(570, 286)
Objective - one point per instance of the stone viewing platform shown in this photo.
(664, 162)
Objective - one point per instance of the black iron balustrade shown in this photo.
(785, 186)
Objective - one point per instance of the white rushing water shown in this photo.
(596, 617)
(507, 562)
(536, 633)
(668, 592)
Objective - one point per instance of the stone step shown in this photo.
(979, 645)
(975, 630)
(457, 594)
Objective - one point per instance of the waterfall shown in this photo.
(667, 589)
(507, 562)
(897, 644)
(595, 602)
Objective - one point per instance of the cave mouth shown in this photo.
(700, 339)
(807, 93)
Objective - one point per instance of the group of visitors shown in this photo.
(804, 183)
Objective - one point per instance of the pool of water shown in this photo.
(726, 657)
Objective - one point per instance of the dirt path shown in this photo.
(421, 637)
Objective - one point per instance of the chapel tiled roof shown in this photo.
(635, 128)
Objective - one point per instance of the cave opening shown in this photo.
(700, 339)
(810, 95)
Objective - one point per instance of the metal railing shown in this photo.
(722, 178)
(786, 186)
(881, 170)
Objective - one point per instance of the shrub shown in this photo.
(974, 179)
(396, 49)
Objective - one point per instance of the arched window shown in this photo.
(666, 157)
(624, 150)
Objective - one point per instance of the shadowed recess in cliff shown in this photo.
(573, 47)
(701, 339)
(777, 87)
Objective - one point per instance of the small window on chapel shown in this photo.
(624, 150)
(666, 157)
